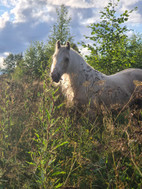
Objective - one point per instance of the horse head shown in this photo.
(60, 63)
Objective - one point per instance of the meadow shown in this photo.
(44, 144)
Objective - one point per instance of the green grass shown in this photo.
(44, 144)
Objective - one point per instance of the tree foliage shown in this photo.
(10, 62)
(110, 51)
(135, 49)
(61, 29)
(36, 58)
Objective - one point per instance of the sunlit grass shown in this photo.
(44, 144)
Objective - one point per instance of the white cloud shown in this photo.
(2, 57)
(23, 11)
(9, 3)
(127, 3)
(1, 62)
(3, 19)
(84, 51)
(80, 3)
(30, 21)
(32, 11)
(135, 17)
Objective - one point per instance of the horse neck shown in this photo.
(79, 67)
(76, 62)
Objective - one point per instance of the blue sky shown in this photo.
(24, 21)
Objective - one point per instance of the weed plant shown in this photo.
(44, 144)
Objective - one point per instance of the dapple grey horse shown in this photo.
(82, 84)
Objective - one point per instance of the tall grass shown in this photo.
(44, 144)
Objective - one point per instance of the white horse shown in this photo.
(82, 84)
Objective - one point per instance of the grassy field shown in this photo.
(44, 144)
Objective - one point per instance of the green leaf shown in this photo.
(59, 145)
(59, 185)
(59, 173)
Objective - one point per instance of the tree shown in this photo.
(38, 55)
(61, 29)
(36, 58)
(109, 52)
(11, 62)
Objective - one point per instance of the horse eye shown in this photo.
(66, 59)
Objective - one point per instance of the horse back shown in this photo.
(118, 88)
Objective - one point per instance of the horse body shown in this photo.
(82, 84)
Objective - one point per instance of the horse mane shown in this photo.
(78, 76)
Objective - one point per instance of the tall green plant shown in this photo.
(61, 29)
(109, 52)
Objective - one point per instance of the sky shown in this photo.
(24, 21)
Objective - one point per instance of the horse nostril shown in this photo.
(55, 77)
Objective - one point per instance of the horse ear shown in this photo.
(58, 45)
(68, 45)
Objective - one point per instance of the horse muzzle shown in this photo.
(55, 77)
